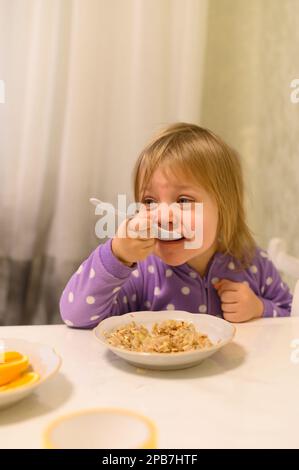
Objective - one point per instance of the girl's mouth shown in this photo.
(172, 242)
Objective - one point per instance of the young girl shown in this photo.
(228, 275)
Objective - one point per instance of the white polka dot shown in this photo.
(134, 297)
(125, 299)
(80, 269)
(231, 265)
(215, 280)
(185, 290)
(269, 280)
(275, 314)
(263, 289)
(116, 289)
(246, 282)
(151, 269)
(168, 272)
(94, 317)
(282, 285)
(68, 323)
(90, 300)
(147, 303)
(170, 307)
(92, 273)
(253, 269)
(115, 300)
(157, 290)
(71, 297)
(193, 274)
(202, 308)
(135, 273)
(264, 254)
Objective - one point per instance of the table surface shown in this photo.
(245, 395)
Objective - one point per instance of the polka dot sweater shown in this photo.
(103, 286)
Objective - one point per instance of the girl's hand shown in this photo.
(131, 242)
(238, 301)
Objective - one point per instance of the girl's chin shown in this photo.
(173, 252)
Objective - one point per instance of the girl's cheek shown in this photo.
(187, 222)
(191, 225)
(210, 228)
(197, 222)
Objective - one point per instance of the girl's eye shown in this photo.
(149, 203)
(184, 200)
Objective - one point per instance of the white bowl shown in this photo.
(218, 330)
(43, 360)
(106, 428)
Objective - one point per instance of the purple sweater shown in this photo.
(103, 286)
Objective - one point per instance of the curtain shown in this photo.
(250, 63)
(87, 82)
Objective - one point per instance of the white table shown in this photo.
(246, 395)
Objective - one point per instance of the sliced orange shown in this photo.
(9, 356)
(12, 368)
(28, 378)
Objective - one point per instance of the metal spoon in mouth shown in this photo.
(159, 232)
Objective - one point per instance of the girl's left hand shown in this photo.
(238, 301)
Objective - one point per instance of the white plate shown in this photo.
(218, 330)
(43, 360)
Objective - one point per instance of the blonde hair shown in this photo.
(206, 158)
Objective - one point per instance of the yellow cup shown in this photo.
(101, 428)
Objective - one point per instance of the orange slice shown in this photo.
(12, 368)
(9, 356)
(28, 378)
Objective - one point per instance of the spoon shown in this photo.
(159, 232)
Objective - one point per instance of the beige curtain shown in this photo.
(87, 83)
(251, 60)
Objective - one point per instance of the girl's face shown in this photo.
(170, 189)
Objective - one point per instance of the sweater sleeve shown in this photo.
(274, 293)
(102, 286)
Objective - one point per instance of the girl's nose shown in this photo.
(166, 216)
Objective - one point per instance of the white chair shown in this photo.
(287, 264)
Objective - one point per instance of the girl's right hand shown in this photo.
(132, 241)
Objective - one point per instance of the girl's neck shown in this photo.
(201, 262)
